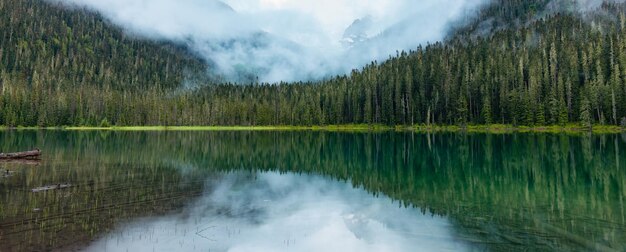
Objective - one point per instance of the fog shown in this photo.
(288, 212)
(286, 40)
(584, 5)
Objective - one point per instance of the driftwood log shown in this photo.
(51, 187)
(34, 154)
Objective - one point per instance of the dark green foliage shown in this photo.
(585, 113)
(67, 66)
(545, 68)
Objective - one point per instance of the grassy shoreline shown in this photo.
(500, 128)
(496, 128)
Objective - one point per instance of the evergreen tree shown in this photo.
(585, 113)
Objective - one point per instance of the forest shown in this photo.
(550, 65)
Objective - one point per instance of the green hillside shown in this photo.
(58, 65)
(548, 65)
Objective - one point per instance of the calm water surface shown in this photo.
(313, 191)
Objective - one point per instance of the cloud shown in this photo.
(285, 40)
(592, 4)
(576, 6)
(286, 212)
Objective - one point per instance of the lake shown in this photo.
(313, 191)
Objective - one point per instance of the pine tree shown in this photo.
(562, 113)
(585, 113)
(486, 111)
(462, 112)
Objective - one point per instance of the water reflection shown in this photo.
(499, 192)
(286, 212)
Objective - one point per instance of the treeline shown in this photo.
(555, 68)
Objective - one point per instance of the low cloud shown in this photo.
(286, 40)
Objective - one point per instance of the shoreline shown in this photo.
(493, 129)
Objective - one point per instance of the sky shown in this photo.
(286, 40)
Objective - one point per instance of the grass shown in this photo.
(494, 128)
(236, 128)
(505, 128)
(30, 128)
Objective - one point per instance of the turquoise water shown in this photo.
(312, 191)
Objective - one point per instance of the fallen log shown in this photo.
(51, 187)
(21, 155)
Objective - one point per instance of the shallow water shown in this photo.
(312, 191)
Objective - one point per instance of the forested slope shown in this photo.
(57, 64)
(551, 64)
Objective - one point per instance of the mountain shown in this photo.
(554, 64)
(73, 46)
(525, 63)
(500, 15)
(357, 32)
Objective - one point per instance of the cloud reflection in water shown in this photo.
(286, 212)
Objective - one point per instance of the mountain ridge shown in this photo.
(557, 69)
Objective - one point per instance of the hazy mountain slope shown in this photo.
(564, 66)
(500, 15)
(61, 46)
(553, 62)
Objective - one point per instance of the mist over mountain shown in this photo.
(286, 40)
(359, 31)
(519, 62)
(498, 15)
